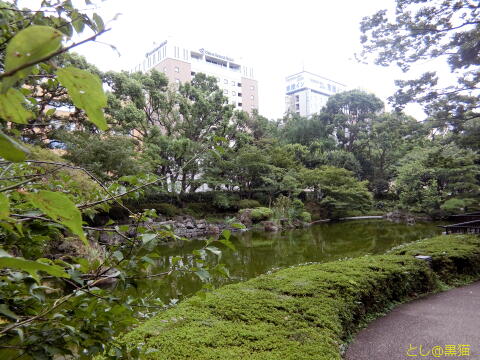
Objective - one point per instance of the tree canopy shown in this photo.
(422, 30)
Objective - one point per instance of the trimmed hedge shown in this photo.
(248, 204)
(304, 312)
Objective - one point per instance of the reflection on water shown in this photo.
(258, 252)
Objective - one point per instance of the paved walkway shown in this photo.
(440, 326)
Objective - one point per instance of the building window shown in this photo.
(192, 73)
(252, 87)
(239, 94)
(239, 84)
(225, 92)
(233, 92)
(297, 106)
(177, 69)
(239, 104)
(225, 81)
(297, 97)
(233, 83)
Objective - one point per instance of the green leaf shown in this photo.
(29, 45)
(214, 250)
(220, 149)
(203, 274)
(148, 260)
(220, 139)
(86, 92)
(238, 226)
(123, 228)
(11, 150)
(118, 255)
(228, 244)
(79, 25)
(174, 261)
(7, 312)
(50, 112)
(4, 207)
(61, 209)
(222, 270)
(226, 234)
(148, 237)
(99, 22)
(32, 267)
(12, 107)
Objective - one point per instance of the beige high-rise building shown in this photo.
(306, 93)
(180, 63)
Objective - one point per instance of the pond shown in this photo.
(258, 252)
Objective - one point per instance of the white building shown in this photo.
(306, 93)
(180, 63)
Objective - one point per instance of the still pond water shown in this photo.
(258, 252)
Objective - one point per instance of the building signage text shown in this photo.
(295, 86)
(206, 52)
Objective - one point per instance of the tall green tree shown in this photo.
(301, 130)
(433, 178)
(108, 156)
(391, 137)
(422, 30)
(350, 115)
(174, 124)
(337, 190)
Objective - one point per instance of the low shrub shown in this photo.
(305, 216)
(261, 213)
(196, 209)
(304, 312)
(223, 201)
(248, 204)
(165, 209)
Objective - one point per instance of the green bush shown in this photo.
(257, 214)
(261, 213)
(304, 312)
(455, 205)
(295, 212)
(223, 201)
(248, 204)
(305, 216)
(281, 207)
(196, 209)
(165, 209)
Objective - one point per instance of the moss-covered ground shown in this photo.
(304, 312)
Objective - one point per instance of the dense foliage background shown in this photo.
(74, 155)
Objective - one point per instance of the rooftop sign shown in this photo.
(206, 52)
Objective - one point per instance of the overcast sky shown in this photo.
(278, 38)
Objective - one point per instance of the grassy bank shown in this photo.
(305, 312)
